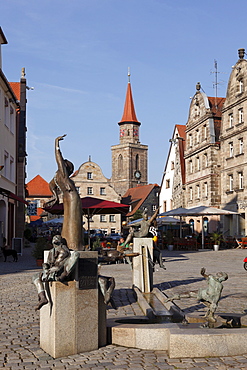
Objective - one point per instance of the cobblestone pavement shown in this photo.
(19, 323)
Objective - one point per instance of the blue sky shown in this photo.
(77, 53)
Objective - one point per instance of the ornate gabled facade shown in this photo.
(129, 157)
(202, 154)
(90, 181)
(234, 148)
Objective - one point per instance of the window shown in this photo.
(206, 189)
(102, 218)
(230, 120)
(164, 206)
(241, 145)
(191, 193)
(206, 160)
(89, 175)
(6, 112)
(172, 165)
(154, 207)
(240, 115)
(12, 169)
(102, 191)
(190, 141)
(205, 132)
(120, 164)
(198, 191)
(6, 164)
(12, 120)
(89, 191)
(167, 184)
(78, 189)
(191, 166)
(198, 163)
(112, 218)
(230, 182)
(240, 180)
(137, 162)
(241, 86)
(197, 136)
(231, 149)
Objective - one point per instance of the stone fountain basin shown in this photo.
(178, 340)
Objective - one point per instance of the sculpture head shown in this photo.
(145, 215)
(221, 276)
(69, 166)
(57, 240)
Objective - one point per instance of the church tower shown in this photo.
(129, 157)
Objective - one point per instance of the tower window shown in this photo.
(89, 175)
(167, 184)
(137, 162)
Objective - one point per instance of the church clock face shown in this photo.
(137, 175)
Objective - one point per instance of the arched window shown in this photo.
(205, 225)
(120, 164)
(191, 223)
(137, 162)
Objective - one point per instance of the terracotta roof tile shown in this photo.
(216, 104)
(136, 196)
(16, 87)
(38, 187)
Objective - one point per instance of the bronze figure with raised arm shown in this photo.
(62, 183)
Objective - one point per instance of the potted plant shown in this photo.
(169, 240)
(40, 246)
(216, 238)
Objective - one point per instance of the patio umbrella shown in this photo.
(175, 212)
(93, 206)
(207, 211)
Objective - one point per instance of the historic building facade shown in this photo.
(202, 156)
(12, 190)
(234, 148)
(129, 157)
(90, 181)
(173, 179)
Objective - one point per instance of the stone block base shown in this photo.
(70, 324)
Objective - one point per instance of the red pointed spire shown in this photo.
(129, 114)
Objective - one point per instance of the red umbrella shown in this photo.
(93, 206)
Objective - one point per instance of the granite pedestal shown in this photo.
(69, 323)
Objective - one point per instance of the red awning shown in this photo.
(8, 194)
(93, 206)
